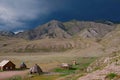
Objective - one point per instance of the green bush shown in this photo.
(111, 75)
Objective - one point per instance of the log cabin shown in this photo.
(7, 65)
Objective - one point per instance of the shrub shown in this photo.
(111, 75)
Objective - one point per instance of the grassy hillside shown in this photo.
(18, 45)
(111, 41)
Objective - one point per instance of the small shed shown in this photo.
(23, 66)
(7, 65)
(36, 69)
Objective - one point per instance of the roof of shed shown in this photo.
(4, 62)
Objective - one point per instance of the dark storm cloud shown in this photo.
(90, 10)
(24, 14)
(15, 13)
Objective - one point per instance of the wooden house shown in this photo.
(7, 65)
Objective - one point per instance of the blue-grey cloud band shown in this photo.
(24, 14)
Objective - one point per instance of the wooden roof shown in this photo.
(4, 62)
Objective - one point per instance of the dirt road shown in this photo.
(8, 74)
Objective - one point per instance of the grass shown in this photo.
(35, 77)
(15, 78)
(73, 70)
(77, 70)
(33, 50)
(111, 76)
(49, 61)
(77, 76)
(44, 77)
(19, 69)
(64, 71)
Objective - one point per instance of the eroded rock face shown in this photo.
(57, 29)
(53, 29)
(111, 41)
(93, 28)
(57, 36)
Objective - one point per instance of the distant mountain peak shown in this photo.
(52, 29)
(54, 21)
(57, 29)
(6, 33)
(19, 31)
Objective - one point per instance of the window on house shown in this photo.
(10, 67)
(6, 67)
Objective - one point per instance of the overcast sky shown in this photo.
(26, 14)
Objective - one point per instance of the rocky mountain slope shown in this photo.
(88, 28)
(52, 29)
(102, 74)
(59, 36)
(57, 29)
(101, 68)
(111, 41)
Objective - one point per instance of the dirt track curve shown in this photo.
(9, 74)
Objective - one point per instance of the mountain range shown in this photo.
(57, 29)
(62, 36)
